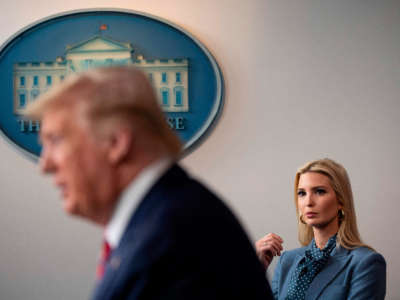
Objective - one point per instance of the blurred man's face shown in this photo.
(77, 162)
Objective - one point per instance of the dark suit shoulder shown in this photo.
(179, 236)
(184, 197)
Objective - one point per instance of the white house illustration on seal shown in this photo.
(169, 76)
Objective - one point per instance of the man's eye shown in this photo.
(55, 139)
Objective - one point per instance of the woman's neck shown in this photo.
(322, 235)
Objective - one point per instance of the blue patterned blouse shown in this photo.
(309, 266)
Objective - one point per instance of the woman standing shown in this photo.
(334, 263)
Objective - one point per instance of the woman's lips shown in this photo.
(311, 214)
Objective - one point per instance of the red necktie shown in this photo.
(105, 255)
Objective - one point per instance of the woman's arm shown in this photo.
(275, 283)
(369, 278)
(267, 247)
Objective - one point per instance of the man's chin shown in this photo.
(69, 207)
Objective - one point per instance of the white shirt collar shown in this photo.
(130, 199)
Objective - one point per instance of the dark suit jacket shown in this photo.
(183, 243)
(349, 275)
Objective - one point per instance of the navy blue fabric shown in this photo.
(183, 243)
(309, 266)
(358, 274)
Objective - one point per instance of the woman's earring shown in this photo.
(301, 220)
(341, 214)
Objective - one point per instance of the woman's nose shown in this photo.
(309, 199)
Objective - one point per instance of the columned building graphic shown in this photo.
(169, 76)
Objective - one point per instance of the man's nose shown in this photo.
(46, 163)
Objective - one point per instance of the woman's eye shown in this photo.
(301, 193)
(320, 191)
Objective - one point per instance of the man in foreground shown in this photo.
(113, 156)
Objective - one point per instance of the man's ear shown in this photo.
(120, 145)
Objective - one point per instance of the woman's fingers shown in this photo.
(267, 247)
(272, 247)
(271, 239)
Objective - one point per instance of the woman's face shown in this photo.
(317, 201)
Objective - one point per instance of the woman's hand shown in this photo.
(267, 247)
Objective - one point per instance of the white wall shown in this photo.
(304, 80)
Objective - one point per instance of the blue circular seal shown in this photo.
(184, 74)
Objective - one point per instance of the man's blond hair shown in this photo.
(109, 95)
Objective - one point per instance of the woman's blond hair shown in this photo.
(348, 235)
